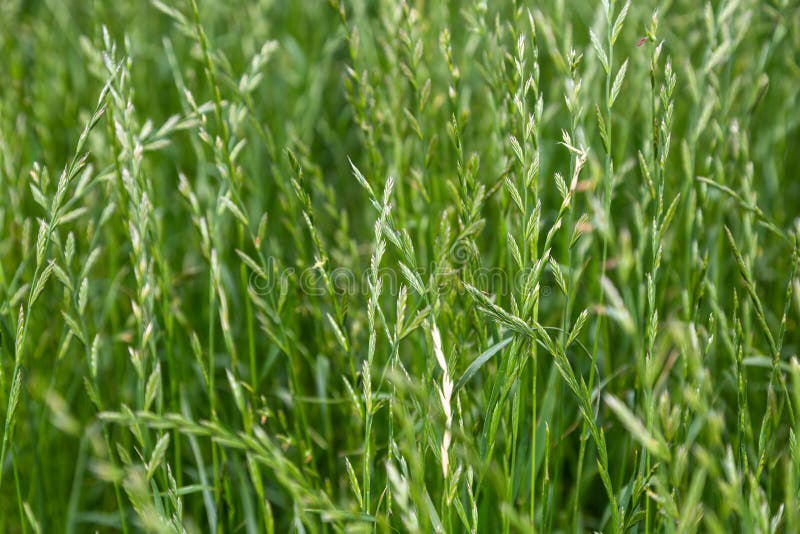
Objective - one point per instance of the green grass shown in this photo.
(375, 266)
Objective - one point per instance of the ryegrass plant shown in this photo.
(411, 266)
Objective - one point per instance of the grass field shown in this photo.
(399, 266)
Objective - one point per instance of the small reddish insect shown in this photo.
(641, 41)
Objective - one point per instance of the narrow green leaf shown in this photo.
(480, 361)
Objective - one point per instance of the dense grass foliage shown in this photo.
(399, 266)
